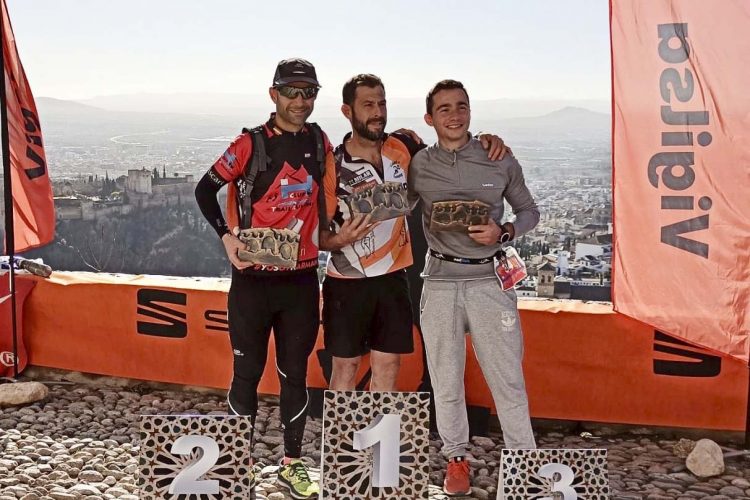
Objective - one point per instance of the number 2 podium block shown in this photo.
(186, 456)
(564, 474)
(375, 445)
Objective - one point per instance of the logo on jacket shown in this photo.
(507, 319)
(228, 159)
(288, 190)
(398, 172)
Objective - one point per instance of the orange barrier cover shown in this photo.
(681, 155)
(582, 361)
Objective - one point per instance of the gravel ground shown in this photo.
(82, 442)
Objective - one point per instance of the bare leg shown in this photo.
(385, 368)
(344, 373)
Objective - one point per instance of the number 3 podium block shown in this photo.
(375, 445)
(194, 457)
(554, 474)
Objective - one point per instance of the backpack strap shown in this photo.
(320, 157)
(258, 162)
(320, 152)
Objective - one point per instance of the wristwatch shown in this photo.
(504, 235)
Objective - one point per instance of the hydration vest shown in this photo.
(239, 202)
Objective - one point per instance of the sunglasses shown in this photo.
(292, 92)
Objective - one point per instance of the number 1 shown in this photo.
(384, 433)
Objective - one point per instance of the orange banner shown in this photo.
(681, 155)
(33, 207)
(582, 361)
(23, 287)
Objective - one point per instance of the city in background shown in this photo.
(137, 99)
(123, 183)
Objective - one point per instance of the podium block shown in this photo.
(199, 456)
(375, 445)
(554, 474)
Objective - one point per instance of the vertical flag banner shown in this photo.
(33, 207)
(681, 159)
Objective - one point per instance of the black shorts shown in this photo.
(366, 314)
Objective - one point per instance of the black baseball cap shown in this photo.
(295, 70)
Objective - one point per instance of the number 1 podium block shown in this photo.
(375, 445)
(563, 474)
(194, 456)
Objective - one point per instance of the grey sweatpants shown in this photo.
(450, 309)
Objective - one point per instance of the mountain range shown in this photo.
(132, 112)
(326, 105)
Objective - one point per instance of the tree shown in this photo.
(105, 249)
(108, 186)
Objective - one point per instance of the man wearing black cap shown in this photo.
(276, 172)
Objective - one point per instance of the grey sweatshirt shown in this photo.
(436, 174)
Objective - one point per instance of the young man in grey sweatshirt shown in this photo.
(461, 292)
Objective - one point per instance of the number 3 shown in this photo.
(563, 484)
(186, 481)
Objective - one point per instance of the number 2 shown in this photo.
(384, 433)
(563, 484)
(186, 481)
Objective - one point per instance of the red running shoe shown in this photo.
(456, 482)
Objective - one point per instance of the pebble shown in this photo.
(82, 441)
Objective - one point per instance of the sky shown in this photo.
(532, 49)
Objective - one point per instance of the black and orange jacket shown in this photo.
(287, 190)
